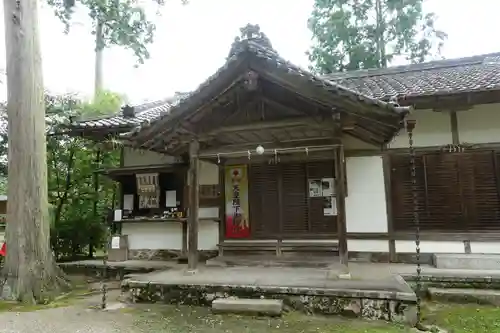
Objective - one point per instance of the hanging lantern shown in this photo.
(259, 150)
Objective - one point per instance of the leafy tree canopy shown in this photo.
(357, 34)
(124, 22)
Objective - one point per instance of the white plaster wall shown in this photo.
(135, 157)
(485, 247)
(431, 129)
(209, 173)
(430, 247)
(365, 204)
(367, 245)
(153, 235)
(479, 125)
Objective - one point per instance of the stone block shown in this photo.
(467, 261)
(476, 296)
(271, 307)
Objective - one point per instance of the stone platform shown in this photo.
(114, 270)
(312, 290)
(467, 261)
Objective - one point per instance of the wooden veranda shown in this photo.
(302, 125)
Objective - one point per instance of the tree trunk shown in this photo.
(30, 273)
(380, 26)
(99, 48)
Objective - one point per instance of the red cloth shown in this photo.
(3, 250)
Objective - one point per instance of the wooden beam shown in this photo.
(454, 128)
(263, 125)
(194, 204)
(233, 150)
(341, 208)
(222, 204)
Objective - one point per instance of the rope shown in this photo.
(410, 126)
(104, 288)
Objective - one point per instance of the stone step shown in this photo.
(270, 307)
(467, 261)
(457, 295)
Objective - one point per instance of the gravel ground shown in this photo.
(81, 317)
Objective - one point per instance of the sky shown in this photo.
(192, 42)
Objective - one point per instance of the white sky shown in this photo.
(192, 42)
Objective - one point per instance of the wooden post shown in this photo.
(194, 203)
(340, 200)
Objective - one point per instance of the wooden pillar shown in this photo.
(340, 201)
(194, 204)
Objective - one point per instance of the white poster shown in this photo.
(329, 206)
(327, 187)
(128, 202)
(314, 188)
(115, 242)
(170, 199)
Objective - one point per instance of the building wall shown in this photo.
(168, 236)
(366, 202)
(366, 209)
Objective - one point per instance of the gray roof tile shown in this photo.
(146, 112)
(477, 73)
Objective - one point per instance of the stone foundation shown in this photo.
(403, 311)
(164, 254)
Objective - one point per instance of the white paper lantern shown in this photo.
(259, 150)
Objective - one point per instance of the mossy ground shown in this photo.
(451, 317)
(80, 289)
(463, 318)
(193, 319)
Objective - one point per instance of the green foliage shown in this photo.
(104, 103)
(72, 164)
(358, 34)
(124, 22)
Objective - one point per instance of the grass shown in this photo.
(192, 319)
(463, 318)
(454, 318)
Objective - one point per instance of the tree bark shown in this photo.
(30, 273)
(99, 48)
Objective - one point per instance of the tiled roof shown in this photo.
(270, 60)
(464, 75)
(144, 113)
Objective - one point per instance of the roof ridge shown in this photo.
(430, 65)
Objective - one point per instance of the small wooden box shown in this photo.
(120, 254)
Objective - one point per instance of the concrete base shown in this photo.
(476, 296)
(467, 261)
(270, 307)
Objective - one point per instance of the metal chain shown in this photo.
(104, 288)
(410, 126)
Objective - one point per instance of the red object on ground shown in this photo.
(3, 250)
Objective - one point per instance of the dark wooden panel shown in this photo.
(263, 200)
(294, 193)
(319, 222)
(455, 191)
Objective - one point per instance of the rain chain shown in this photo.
(410, 126)
(104, 288)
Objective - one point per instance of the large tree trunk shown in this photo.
(99, 49)
(30, 273)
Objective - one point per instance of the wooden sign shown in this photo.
(149, 200)
(147, 182)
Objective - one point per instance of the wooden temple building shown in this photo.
(267, 157)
